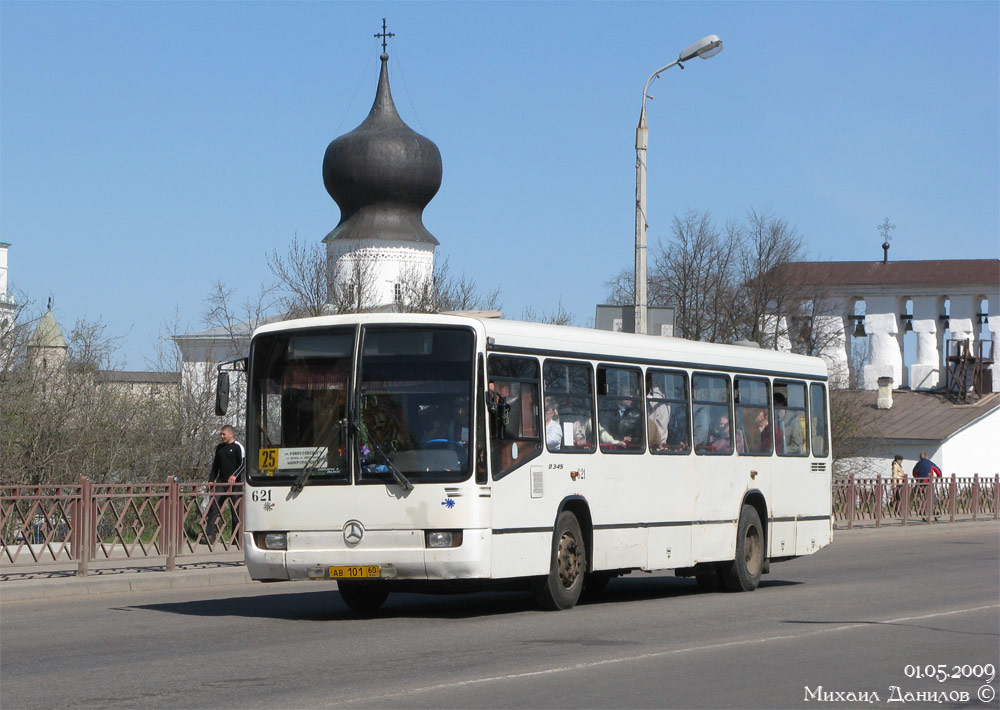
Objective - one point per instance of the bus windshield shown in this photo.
(415, 394)
(407, 418)
(299, 395)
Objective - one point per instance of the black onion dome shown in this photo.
(382, 175)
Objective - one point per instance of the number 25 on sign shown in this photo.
(268, 459)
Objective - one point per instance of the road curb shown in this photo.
(915, 529)
(34, 589)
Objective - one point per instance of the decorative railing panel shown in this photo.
(940, 499)
(88, 522)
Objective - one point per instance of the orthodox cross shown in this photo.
(384, 35)
(884, 229)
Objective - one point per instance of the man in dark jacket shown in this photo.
(925, 468)
(227, 467)
(923, 472)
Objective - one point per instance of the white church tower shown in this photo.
(381, 175)
(7, 305)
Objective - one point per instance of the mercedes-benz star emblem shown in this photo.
(353, 532)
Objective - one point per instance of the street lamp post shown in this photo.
(705, 48)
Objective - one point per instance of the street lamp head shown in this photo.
(706, 48)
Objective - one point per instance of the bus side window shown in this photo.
(667, 409)
(569, 401)
(790, 414)
(619, 410)
(710, 404)
(817, 405)
(753, 418)
(512, 400)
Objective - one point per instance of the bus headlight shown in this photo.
(271, 540)
(443, 538)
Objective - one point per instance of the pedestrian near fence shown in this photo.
(227, 468)
(924, 471)
(897, 481)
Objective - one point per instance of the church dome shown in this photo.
(382, 175)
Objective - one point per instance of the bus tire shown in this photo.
(363, 597)
(743, 573)
(562, 586)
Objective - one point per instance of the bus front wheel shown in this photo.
(743, 574)
(561, 588)
(363, 597)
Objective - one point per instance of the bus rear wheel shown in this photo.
(561, 588)
(363, 597)
(743, 574)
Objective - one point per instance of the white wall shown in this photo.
(974, 449)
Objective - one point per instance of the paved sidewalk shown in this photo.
(21, 582)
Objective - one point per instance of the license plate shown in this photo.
(359, 572)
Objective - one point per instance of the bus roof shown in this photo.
(569, 341)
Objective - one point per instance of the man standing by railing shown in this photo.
(925, 468)
(924, 472)
(227, 467)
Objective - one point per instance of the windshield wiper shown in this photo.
(312, 464)
(397, 475)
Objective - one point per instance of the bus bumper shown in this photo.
(399, 554)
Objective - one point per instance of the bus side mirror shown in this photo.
(222, 394)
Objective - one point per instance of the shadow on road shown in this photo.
(326, 605)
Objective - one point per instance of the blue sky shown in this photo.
(150, 149)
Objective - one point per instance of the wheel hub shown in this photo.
(568, 560)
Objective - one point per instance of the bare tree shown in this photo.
(765, 244)
(693, 273)
(353, 287)
(559, 316)
(238, 321)
(852, 423)
(64, 417)
(442, 292)
(724, 286)
(621, 289)
(304, 274)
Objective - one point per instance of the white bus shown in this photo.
(395, 452)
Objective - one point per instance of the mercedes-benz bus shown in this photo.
(391, 452)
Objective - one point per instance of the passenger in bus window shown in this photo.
(626, 425)
(553, 428)
(720, 440)
(678, 438)
(788, 436)
(658, 419)
(758, 435)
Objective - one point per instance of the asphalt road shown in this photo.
(853, 621)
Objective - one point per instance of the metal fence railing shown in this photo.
(87, 522)
(939, 499)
